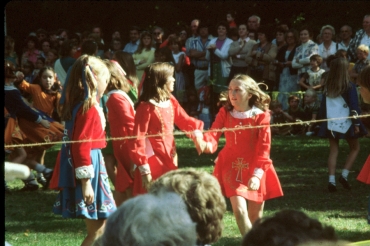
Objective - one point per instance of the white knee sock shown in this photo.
(332, 179)
(345, 173)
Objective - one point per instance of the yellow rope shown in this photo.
(245, 127)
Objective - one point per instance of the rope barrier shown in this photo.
(245, 127)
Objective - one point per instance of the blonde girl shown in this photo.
(83, 182)
(243, 167)
(340, 100)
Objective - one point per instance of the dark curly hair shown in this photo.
(288, 228)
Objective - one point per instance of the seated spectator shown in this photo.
(150, 219)
(311, 79)
(295, 114)
(310, 108)
(278, 116)
(202, 195)
(288, 227)
(362, 61)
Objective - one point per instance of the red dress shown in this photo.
(121, 116)
(246, 152)
(364, 175)
(159, 151)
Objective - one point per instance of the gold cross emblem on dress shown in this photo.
(240, 165)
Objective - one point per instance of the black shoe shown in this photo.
(332, 187)
(29, 187)
(344, 182)
(42, 181)
(47, 177)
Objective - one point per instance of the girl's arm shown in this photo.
(262, 159)
(353, 104)
(137, 145)
(149, 60)
(212, 137)
(303, 80)
(178, 66)
(183, 120)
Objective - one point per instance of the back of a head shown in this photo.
(287, 228)
(158, 220)
(203, 197)
(89, 47)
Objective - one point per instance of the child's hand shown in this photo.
(45, 123)
(357, 129)
(87, 191)
(254, 183)
(200, 145)
(146, 181)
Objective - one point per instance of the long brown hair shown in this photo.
(117, 80)
(338, 80)
(141, 47)
(156, 75)
(127, 63)
(259, 99)
(95, 71)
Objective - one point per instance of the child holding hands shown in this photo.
(243, 167)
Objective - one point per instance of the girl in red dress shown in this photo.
(243, 167)
(157, 112)
(121, 116)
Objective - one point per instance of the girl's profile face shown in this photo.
(147, 40)
(239, 97)
(47, 79)
(102, 85)
(170, 83)
(365, 94)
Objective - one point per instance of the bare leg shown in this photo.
(354, 149)
(110, 165)
(255, 210)
(19, 156)
(94, 229)
(333, 155)
(239, 205)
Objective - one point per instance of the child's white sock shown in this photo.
(332, 179)
(42, 169)
(345, 173)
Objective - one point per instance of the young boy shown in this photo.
(295, 114)
(362, 62)
(279, 116)
(311, 78)
(310, 109)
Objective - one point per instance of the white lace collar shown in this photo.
(246, 114)
(164, 104)
(124, 94)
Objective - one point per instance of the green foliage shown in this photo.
(301, 164)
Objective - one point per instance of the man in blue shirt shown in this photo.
(131, 47)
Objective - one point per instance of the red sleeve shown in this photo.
(183, 120)
(263, 146)
(137, 146)
(218, 124)
(84, 128)
(164, 44)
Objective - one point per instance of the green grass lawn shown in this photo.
(299, 161)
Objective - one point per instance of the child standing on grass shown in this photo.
(157, 112)
(340, 100)
(121, 117)
(364, 82)
(83, 182)
(311, 78)
(243, 167)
